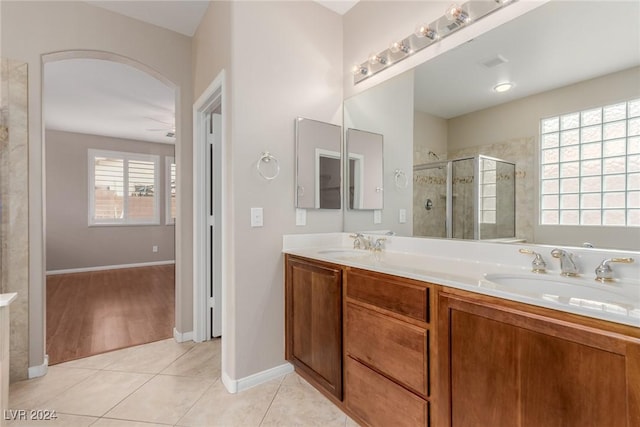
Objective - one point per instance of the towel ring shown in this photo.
(400, 178)
(268, 158)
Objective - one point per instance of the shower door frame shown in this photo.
(448, 164)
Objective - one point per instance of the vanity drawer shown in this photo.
(394, 348)
(402, 296)
(380, 402)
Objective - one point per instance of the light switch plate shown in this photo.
(301, 217)
(257, 218)
(377, 217)
(402, 216)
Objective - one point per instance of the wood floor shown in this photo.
(95, 312)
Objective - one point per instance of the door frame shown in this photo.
(214, 95)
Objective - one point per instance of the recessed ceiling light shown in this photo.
(503, 87)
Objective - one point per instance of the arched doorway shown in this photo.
(129, 194)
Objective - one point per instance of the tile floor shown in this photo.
(166, 383)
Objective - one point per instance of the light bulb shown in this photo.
(503, 87)
(455, 13)
(425, 31)
(374, 59)
(359, 70)
(400, 46)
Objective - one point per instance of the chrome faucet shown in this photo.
(604, 273)
(568, 266)
(361, 241)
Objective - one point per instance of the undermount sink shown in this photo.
(570, 291)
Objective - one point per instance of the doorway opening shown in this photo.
(110, 193)
(212, 224)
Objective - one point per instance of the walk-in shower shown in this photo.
(464, 198)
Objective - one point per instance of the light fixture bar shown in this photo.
(426, 35)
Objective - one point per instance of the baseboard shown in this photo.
(236, 386)
(40, 370)
(182, 336)
(109, 267)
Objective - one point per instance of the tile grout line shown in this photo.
(217, 380)
(272, 400)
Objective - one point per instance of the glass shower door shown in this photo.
(463, 196)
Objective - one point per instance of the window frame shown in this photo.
(126, 157)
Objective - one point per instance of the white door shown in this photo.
(214, 239)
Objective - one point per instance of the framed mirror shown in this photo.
(318, 165)
(365, 170)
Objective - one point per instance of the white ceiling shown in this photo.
(107, 98)
(555, 45)
(182, 16)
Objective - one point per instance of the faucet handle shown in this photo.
(604, 273)
(537, 265)
(378, 245)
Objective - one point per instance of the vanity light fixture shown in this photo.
(427, 34)
(503, 87)
(455, 13)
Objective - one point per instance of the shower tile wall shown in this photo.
(430, 184)
(520, 151)
(14, 214)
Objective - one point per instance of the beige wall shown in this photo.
(71, 243)
(33, 29)
(429, 134)
(287, 65)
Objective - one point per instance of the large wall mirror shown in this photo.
(562, 72)
(318, 165)
(365, 170)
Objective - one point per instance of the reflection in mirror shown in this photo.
(467, 198)
(318, 165)
(457, 114)
(365, 169)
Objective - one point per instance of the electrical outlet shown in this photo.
(154, 248)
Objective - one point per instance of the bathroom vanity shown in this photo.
(405, 338)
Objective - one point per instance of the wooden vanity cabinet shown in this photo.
(313, 322)
(387, 331)
(507, 364)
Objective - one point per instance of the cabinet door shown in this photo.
(509, 368)
(313, 322)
